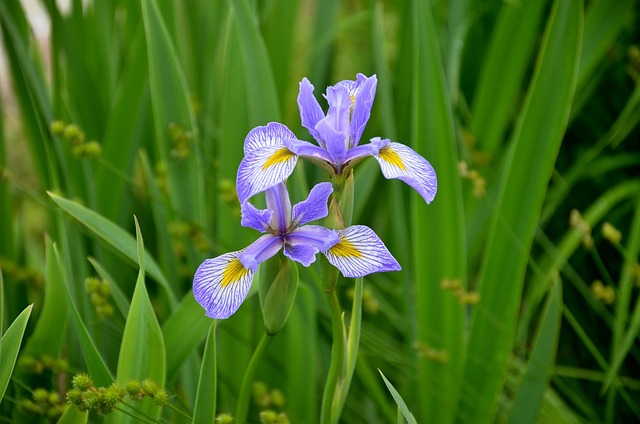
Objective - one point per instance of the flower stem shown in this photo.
(336, 368)
(242, 408)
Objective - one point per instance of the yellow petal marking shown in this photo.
(345, 249)
(233, 273)
(281, 155)
(389, 155)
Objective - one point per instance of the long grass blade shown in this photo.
(534, 147)
(204, 411)
(10, 346)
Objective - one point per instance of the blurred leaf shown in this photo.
(96, 366)
(184, 331)
(48, 334)
(529, 397)
(115, 236)
(533, 150)
(118, 296)
(176, 133)
(73, 416)
(204, 411)
(510, 47)
(396, 396)
(9, 347)
(142, 353)
(438, 229)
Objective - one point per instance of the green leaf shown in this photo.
(73, 416)
(529, 398)
(172, 114)
(92, 358)
(118, 296)
(439, 314)
(114, 235)
(183, 332)
(48, 334)
(9, 347)
(142, 353)
(204, 411)
(401, 404)
(533, 151)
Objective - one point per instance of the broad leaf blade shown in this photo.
(9, 347)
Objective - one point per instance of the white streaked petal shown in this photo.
(360, 252)
(264, 168)
(221, 284)
(401, 162)
(265, 136)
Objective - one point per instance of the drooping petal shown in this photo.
(361, 151)
(401, 162)
(362, 102)
(255, 218)
(304, 243)
(360, 252)
(263, 168)
(314, 206)
(310, 110)
(221, 284)
(269, 135)
(259, 251)
(278, 202)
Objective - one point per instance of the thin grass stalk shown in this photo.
(242, 408)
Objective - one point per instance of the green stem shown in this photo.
(242, 408)
(337, 356)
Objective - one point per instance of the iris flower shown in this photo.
(221, 284)
(272, 151)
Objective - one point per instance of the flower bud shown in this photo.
(278, 286)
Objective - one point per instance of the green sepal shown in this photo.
(278, 284)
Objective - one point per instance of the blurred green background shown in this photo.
(516, 303)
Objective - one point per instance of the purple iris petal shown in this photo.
(401, 162)
(360, 252)
(363, 101)
(361, 151)
(336, 142)
(270, 135)
(278, 202)
(310, 110)
(313, 207)
(263, 168)
(338, 116)
(260, 250)
(304, 148)
(252, 217)
(316, 236)
(221, 284)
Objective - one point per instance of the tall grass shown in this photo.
(129, 126)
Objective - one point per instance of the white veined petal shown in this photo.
(265, 136)
(360, 252)
(401, 162)
(264, 168)
(221, 284)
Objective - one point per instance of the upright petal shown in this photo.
(259, 251)
(335, 141)
(266, 136)
(401, 162)
(252, 217)
(339, 109)
(278, 202)
(310, 110)
(362, 100)
(263, 168)
(304, 243)
(221, 284)
(360, 252)
(313, 207)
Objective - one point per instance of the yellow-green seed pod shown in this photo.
(277, 289)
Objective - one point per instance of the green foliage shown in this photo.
(527, 110)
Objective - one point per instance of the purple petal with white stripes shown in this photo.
(314, 206)
(263, 168)
(269, 135)
(401, 162)
(360, 252)
(221, 284)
